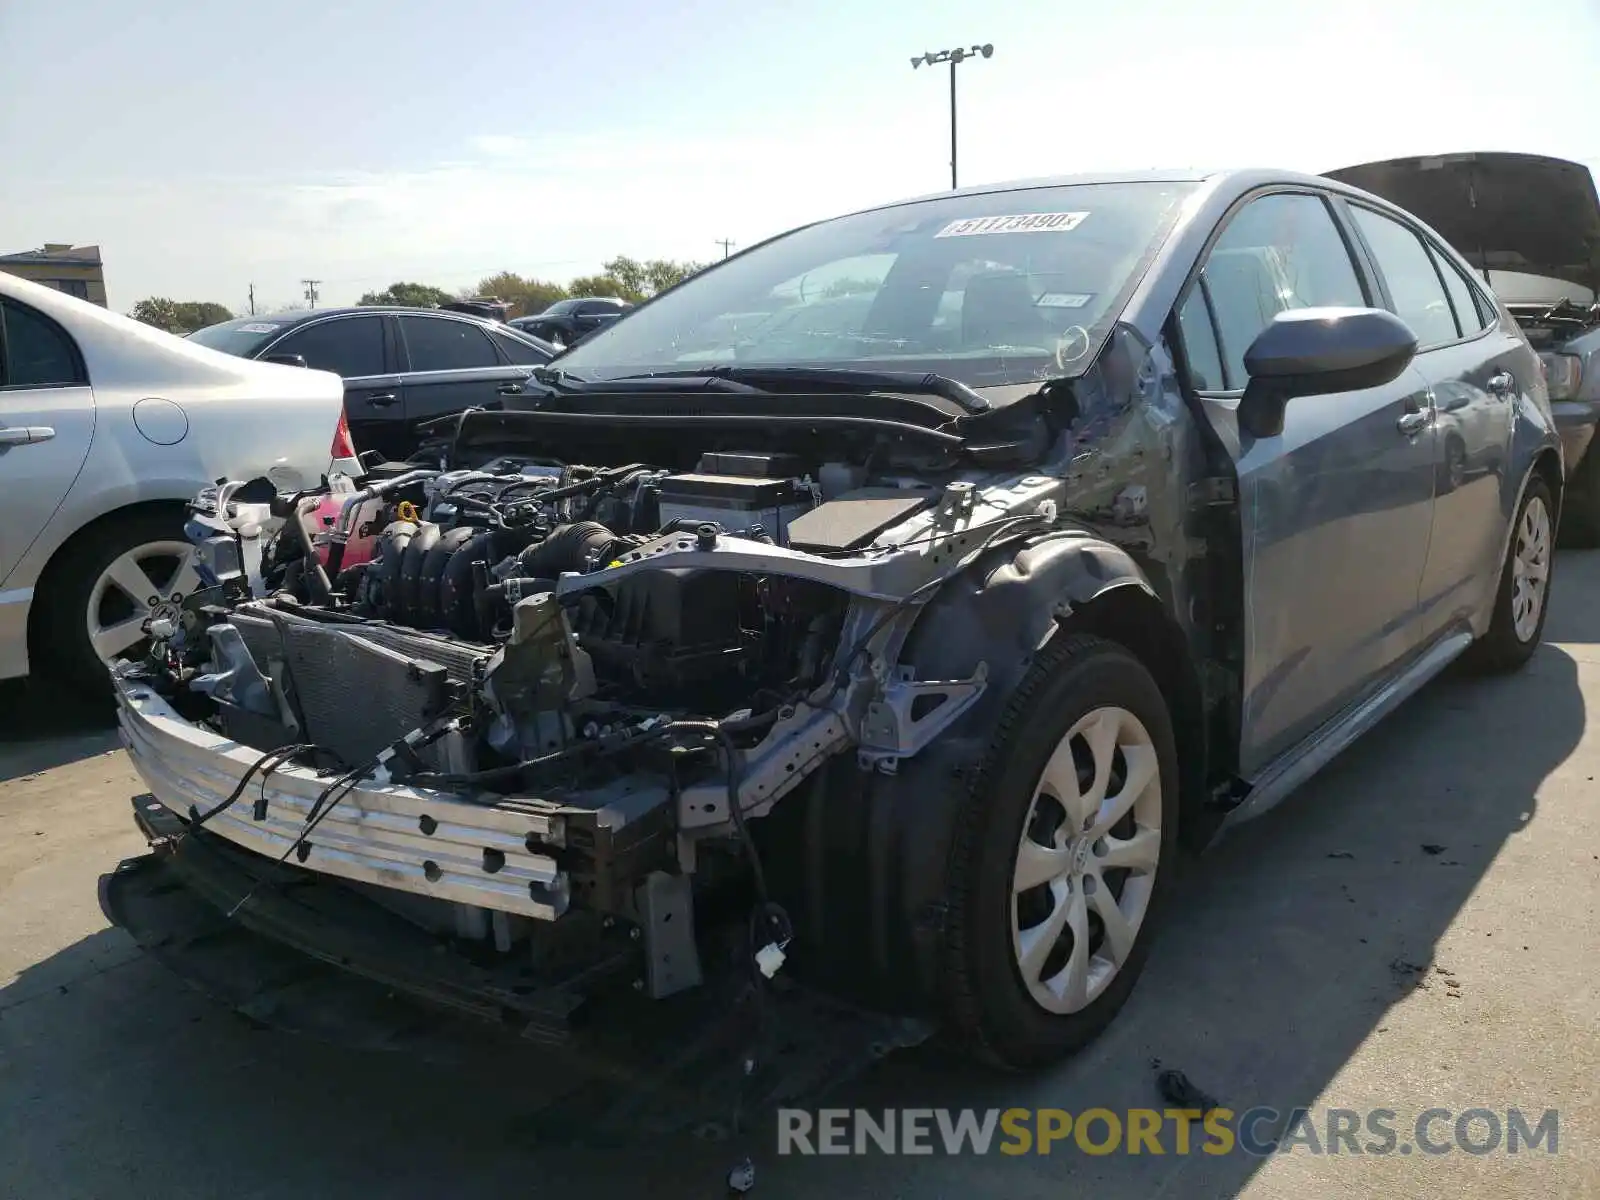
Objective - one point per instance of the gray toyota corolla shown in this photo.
(884, 609)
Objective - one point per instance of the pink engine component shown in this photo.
(322, 519)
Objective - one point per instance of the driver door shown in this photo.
(1337, 510)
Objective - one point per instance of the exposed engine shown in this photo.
(456, 552)
(623, 664)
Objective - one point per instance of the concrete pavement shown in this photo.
(1417, 928)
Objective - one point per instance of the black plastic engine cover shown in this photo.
(665, 627)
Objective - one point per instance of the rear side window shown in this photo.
(1200, 343)
(439, 344)
(1463, 296)
(518, 351)
(35, 352)
(1278, 252)
(1414, 284)
(348, 346)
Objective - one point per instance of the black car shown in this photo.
(567, 322)
(401, 366)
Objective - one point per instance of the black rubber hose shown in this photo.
(316, 576)
(568, 548)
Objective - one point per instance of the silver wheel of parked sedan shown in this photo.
(1530, 568)
(1086, 864)
(148, 580)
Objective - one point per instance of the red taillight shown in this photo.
(343, 447)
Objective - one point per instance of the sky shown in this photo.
(208, 145)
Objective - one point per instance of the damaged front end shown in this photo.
(534, 711)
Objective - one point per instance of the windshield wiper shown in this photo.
(555, 377)
(916, 383)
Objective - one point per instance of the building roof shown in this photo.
(56, 254)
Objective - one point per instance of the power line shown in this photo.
(311, 291)
(252, 299)
(726, 245)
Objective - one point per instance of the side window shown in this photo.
(35, 352)
(440, 344)
(518, 351)
(1463, 297)
(1419, 295)
(1200, 343)
(1279, 252)
(347, 346)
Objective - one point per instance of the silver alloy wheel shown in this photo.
(1086, 863)
(148, 580)
(1530, 569)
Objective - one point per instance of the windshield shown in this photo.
(242, 337)
(1002, 288)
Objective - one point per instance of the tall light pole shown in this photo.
(955, 58)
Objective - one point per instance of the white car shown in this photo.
(107, 429)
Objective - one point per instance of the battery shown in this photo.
(735, 502)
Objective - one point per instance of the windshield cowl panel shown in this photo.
(990, 290)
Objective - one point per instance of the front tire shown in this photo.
(1522, 600)
(1063, 854)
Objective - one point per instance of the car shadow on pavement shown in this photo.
(47, 726)
(1287, 947)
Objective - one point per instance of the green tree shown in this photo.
(526, 295)
(601, 285)
(631, 280)
(413, 295)
(662, 273)
(179, 316)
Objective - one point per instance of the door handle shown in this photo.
(383, 400)
(25, 435)
(1412, 422)
(1503, 384)
(510, 389)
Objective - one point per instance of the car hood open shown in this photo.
(1503, 212)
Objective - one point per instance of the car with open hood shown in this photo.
(878, 614)
(1534, 221)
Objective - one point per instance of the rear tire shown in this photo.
(150, 540)
(1013, 952)
(1523, 599)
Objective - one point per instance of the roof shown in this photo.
(55, 255)
(301, 315)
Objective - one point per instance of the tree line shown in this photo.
(625, 278)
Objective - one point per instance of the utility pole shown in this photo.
(252, 299)
(955, 58)
(311, 291)
(726, 245)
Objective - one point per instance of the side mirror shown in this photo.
(1316, 351)
(286, 360)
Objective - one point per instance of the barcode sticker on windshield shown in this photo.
(1064, 299)
(1020, 223)
(260, 327)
